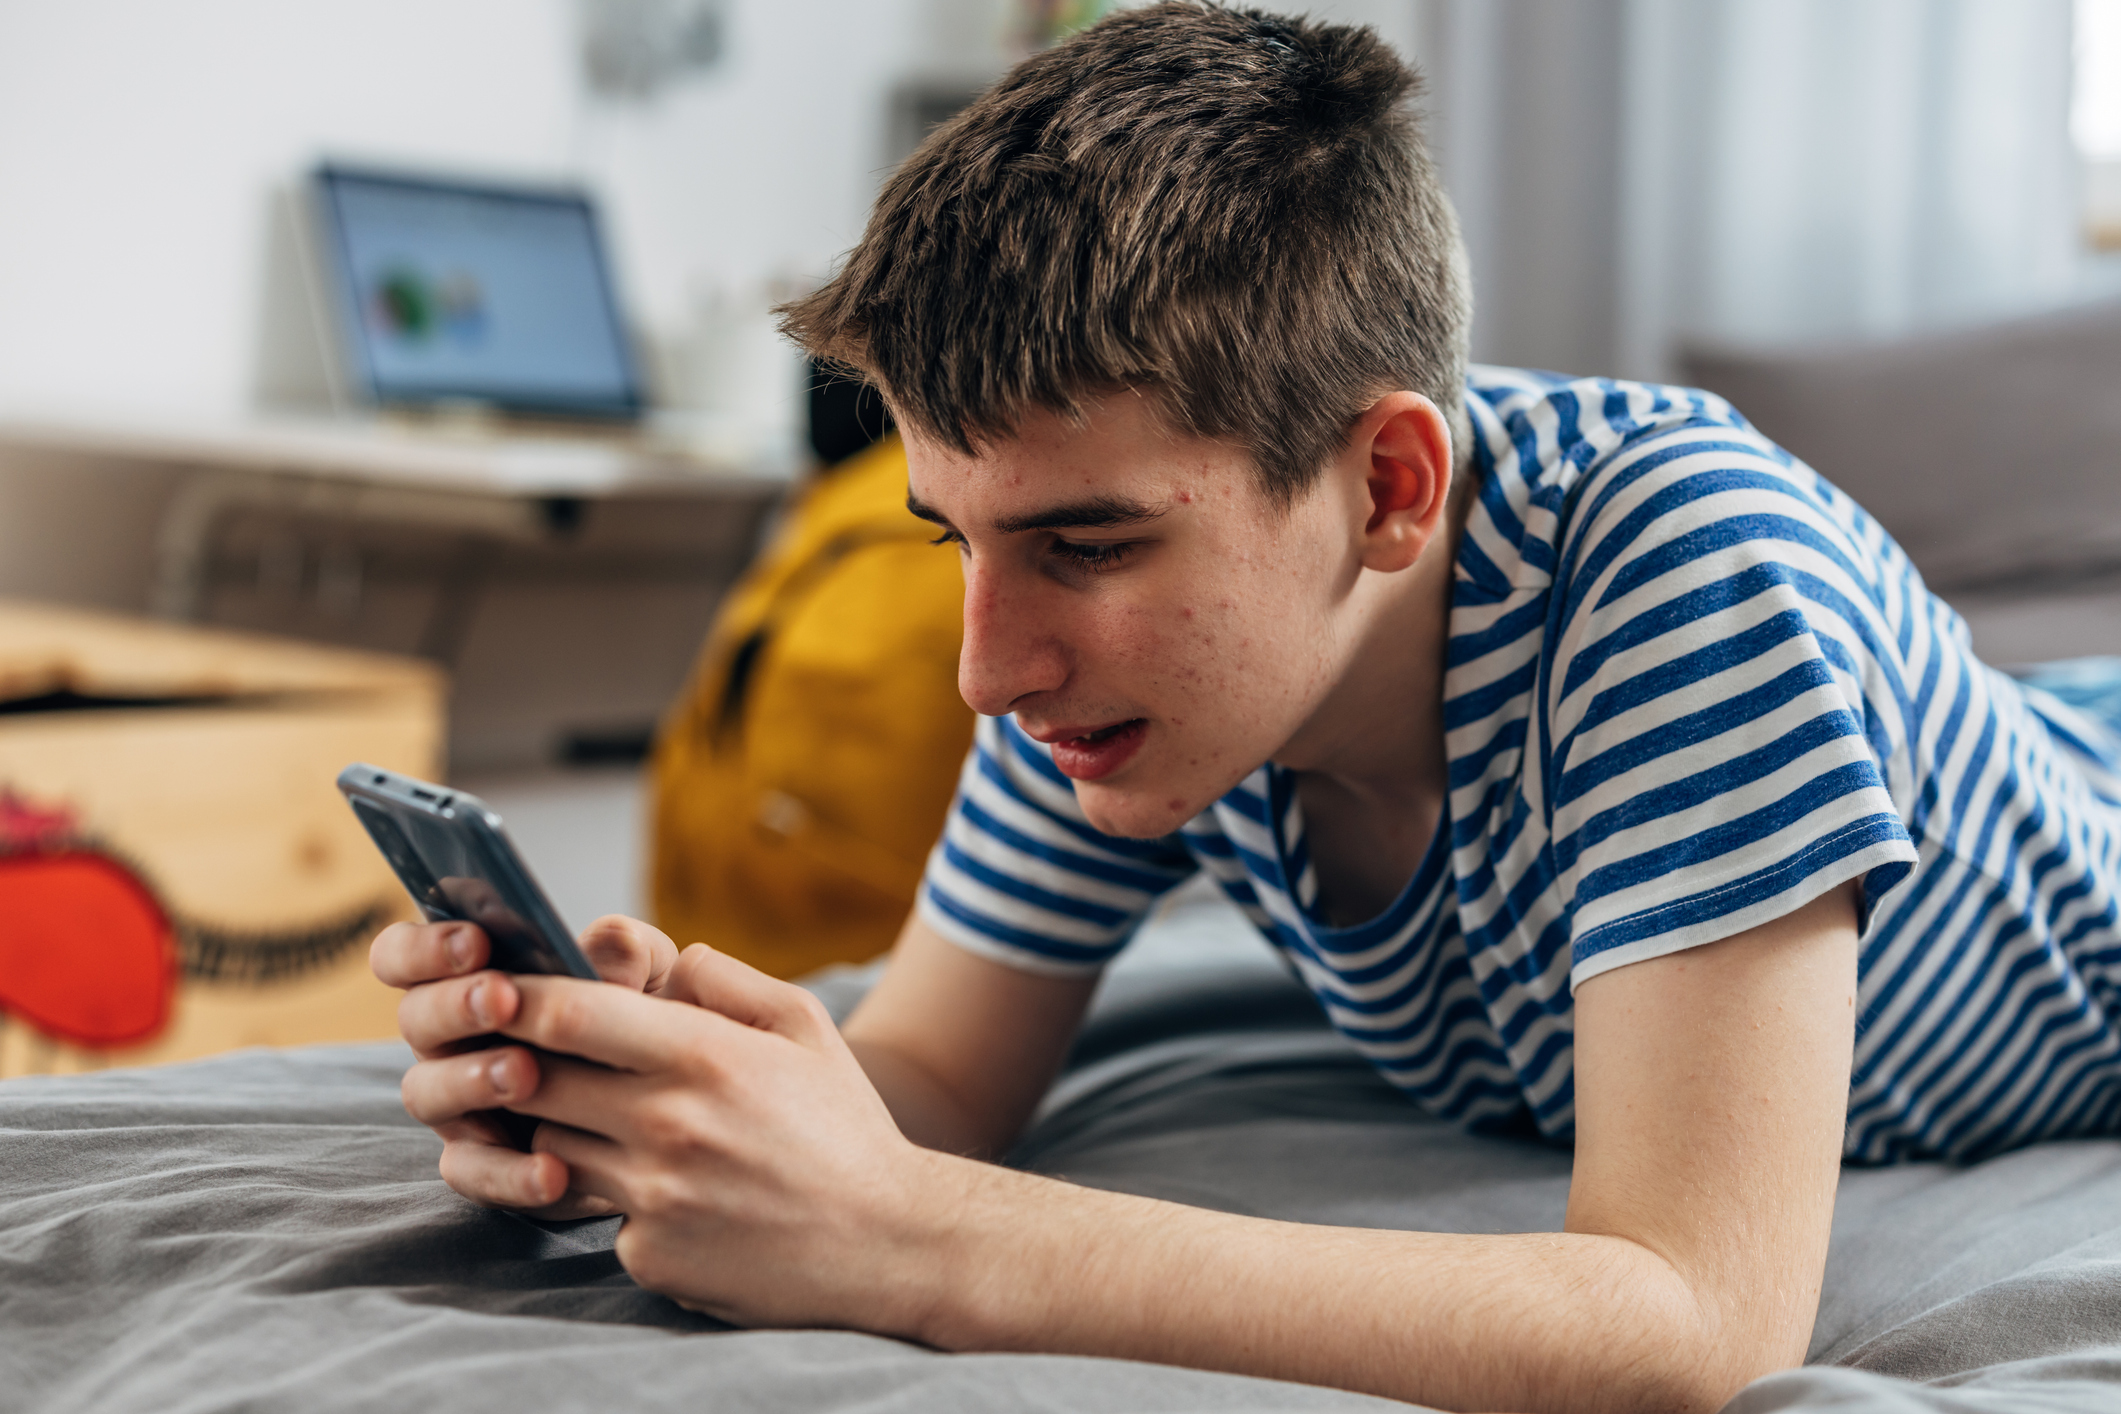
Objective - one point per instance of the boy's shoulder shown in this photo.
(1579, 471)
(1550, 430)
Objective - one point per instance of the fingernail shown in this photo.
(481, 1002)
(459, 949)
(499, 1078)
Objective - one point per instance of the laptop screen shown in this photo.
(496, 294)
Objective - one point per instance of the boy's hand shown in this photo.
(452, 1006)
(762, 1177)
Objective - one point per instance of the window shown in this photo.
(2095, 119)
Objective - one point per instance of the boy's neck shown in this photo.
(1378, 736)
(1372, 772)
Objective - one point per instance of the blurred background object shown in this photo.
(177, 874)
(1885, 227)
(804, 773)
(636, 48)
(1639, 176)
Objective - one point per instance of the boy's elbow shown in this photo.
(1698, 1349)
(1699, 1382)
(1664, 1372)
(1677, 1375)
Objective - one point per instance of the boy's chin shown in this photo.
(1137, 810)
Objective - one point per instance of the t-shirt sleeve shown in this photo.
(1021, 876)
(1715, 753)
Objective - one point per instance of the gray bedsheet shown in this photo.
(265, 1231)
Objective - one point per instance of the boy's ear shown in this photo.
(1406, 441)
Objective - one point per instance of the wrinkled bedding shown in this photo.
(265, 1231)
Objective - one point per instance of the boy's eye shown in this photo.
(1093, 555)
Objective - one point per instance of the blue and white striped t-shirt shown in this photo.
(1690, 687)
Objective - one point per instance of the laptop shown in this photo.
(453, 293)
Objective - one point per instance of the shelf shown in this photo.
(671, 458)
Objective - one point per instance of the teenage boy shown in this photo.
(1604, 773)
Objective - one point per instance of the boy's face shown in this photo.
(1135, 600)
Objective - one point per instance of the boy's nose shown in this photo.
(1010, 653)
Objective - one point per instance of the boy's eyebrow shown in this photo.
(1094, 513)
(916, 506)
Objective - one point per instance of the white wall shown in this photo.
(140, 141)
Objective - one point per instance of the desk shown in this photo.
(471, 479)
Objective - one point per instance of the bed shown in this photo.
(265, 1231)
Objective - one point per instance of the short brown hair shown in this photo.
(1230, 208)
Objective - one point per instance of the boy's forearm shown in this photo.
(922, 1105)
(1524, 1322)
(960, 1047)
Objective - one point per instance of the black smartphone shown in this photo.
(456, 861)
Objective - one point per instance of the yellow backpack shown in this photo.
(804, 773)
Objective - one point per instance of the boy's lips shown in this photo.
(1087, 753)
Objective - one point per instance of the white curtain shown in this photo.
(1640, 175)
